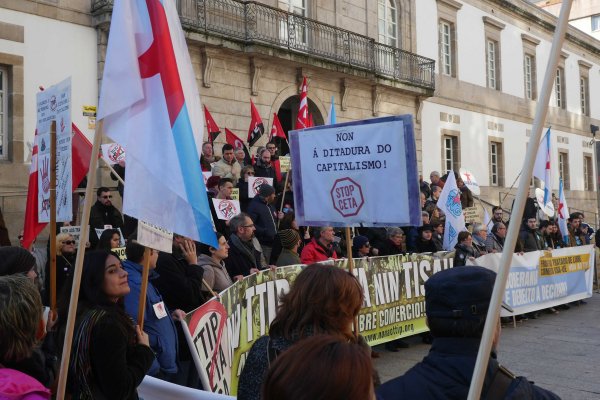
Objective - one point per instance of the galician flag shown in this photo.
(149, 103)
(449, 202)
(563, 213)
(541, 168)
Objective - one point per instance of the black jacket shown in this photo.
(262, 215)
(100, 215)
(462, 253)
(532, 239)
(239, 264)
(261, 170)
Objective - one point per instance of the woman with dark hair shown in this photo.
(323, 300)
(109, 355)
(464, 249)
(109, 239)
(322, 367)
(211, 260)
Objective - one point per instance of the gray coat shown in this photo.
(215, 274)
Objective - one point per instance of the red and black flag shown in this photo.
(277, 129)
(237, 143)
(211, 126)
(256, 128)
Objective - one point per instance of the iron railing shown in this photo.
(250, 22)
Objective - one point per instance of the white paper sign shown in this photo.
(54, 104)
(254, 183)
(206, 175)
(154, 237)
(113, 153)
(226, 209)
(74, 231)
(364, 172)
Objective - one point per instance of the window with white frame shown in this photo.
(3, 113)
(584, 95)
(492, 63)
(563, 169)
(588, 173)
(451, 156)
(559, 88)
(296, 26)
(446, 48)
(596, 23)
(529, 73)
(496, 164)
(388, 25)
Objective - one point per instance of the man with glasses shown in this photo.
(103, 215)
(272, 147)
(264, 167)
(245, 252)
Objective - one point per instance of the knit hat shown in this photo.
(289, 238)
(14, 260)
(265, 190)
(359, 241)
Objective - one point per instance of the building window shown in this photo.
(596, 23)
(529, 73)
(563, 169)
(588, 173)
(492, 64)
(446, 56)
(584, 95)
(388, 26)
(496, 164)
(3, 113)
(295, 27)
(559, 88)
(451, 156)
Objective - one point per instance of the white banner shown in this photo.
(226, 209)
(74, 231)
(54, 104)
(113, 153)
(543, 279)
(359, 173)
(157, 389)
(154, 237)
(254, 183)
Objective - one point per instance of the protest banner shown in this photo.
(54, 104)
(74, 231)
(471, 215)
(113, 153)
(226, 209)
(544, 279)
(254, 182)
(394, 307)
(155, 237)
(346, 174)
(157, 389)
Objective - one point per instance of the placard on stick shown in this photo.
(155, 237)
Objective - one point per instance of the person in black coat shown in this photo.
(425, 242)
(103, 213)
(242, 186)
(464, 249)
(264, 167)
(394, 244)
(264, 216)
(245, 253)
(532, 239)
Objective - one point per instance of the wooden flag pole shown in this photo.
(110, 167)
(287, 175)
(351, 268)
(53, 217)
(85, 228)
(144, 288)
(493, 315)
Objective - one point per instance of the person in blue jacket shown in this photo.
(456, 304)
(158, 320)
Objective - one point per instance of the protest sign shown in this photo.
(394, 307)
(254, 182)
(54, 104)
(120, 251)
(284, 163)
(157, 389)
(74, 231)
(543, 279)
(471, 215)
(113, 153)
(99, 233)
(470, 181)
(346, 174)
(235, 194)
(155, 237)
(226, 209)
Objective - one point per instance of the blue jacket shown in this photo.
(161, 332)
(262, 215)
(446, 372)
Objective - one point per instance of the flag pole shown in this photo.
(144, 288)
(53, 217)
(287, 175)
(351, 269)
(66, 355)
(112, 170)
(493, 314)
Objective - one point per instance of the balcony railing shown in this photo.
(249, 22)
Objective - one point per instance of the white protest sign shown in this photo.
(235, 193)
(470, 181)
(157, 389)
(226, 209)
(205, 176)
(363, 172)
(54, 104)
(284, 163)
(113, 153)
(74, 231)
(154, 237)
(471, 215)
(547, 208)
(254, 182)
(100, 231)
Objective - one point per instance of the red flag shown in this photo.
(276, 130)
(256, 128)
(211, 126)
(80, 161)
(237, 143)
(311, 123)
(302, 121)
(277, 168)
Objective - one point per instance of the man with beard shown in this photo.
(103, 213)
(245, 253)
(264, 167)
(495, 240)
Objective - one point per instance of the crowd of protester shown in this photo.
(313, 326)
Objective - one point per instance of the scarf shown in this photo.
(246, 248)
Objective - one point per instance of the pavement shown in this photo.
(558, 352)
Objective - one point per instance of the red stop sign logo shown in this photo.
(347, 197)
